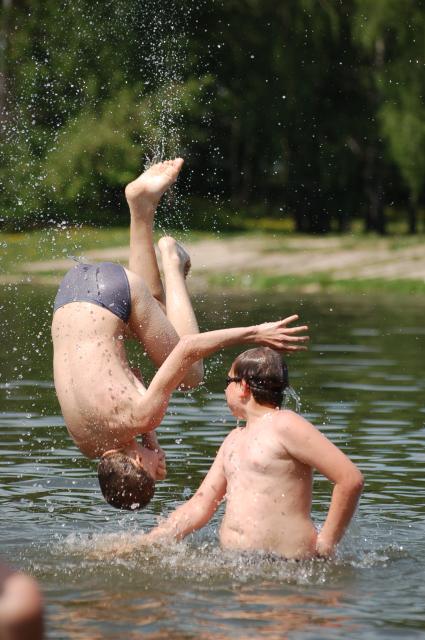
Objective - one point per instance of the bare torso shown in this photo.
(94, 383)
(268, 492)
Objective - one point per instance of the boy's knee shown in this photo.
(194, 377)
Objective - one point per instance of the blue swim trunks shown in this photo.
(105, 284)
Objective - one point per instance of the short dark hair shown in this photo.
(265, 372)
(123, 484)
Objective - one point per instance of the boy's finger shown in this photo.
(288, 348)
(289, 319)
(296, 329)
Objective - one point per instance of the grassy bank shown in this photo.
(56, 243)
(20, 252)
(257, 281)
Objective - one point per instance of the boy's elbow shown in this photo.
(149, 413)
(351, 483)
(194, 376)
(187, 346)
(191, 357)
(355, 482)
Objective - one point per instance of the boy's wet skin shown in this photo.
(99, 394)
(264, 471)
(256, 464)
(104, 403)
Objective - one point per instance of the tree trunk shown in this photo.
(234, 144)
(4, 36)
(412, 215)
(343, 220)
(375, 213)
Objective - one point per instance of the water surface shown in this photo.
(362, 383)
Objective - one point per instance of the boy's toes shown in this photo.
(187, 266)
(167, 243)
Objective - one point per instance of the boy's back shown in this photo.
(95, 386)
(269, 492)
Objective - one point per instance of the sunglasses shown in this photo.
(229, 379)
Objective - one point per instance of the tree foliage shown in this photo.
(313, 110)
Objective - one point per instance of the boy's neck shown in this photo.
(255, 411)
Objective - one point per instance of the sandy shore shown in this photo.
(337, 258)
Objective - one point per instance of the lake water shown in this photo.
(362, 383)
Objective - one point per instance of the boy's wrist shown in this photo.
(254, 334)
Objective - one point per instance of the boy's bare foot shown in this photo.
(145, 192)
(173, 254)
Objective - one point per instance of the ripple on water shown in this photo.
(368, 398)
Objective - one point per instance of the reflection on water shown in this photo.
(362, 383)
(261, 612)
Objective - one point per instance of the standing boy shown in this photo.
(104, 403)
(264, 470)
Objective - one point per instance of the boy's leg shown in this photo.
(158, 333)
(143, 196)
(149, 323)
(176, 265)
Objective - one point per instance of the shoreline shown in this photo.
(246, 262)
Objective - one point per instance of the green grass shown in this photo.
(258, 281)
(18, 249)
(53, 244)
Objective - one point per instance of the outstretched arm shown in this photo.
(190, 348)
(196, 512)
(305, 443)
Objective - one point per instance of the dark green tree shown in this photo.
(392, 34)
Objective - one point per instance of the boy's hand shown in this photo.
(279, 336)
(161, 470)
(324, 548)
(150, 538)
(150, 441)
(153, 461)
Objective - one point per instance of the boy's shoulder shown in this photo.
(288, 420)
(282, 417)
(232, 436)
(234, 433)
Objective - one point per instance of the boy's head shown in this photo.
(124, 482)
(264, 372)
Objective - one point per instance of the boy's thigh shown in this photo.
(148, 321)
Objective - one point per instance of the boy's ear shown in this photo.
(245, 388)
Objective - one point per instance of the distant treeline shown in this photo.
(310, 110)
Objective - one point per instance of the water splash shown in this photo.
(289, 395)
(163, 67)
(200, 558)
(162, 72)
